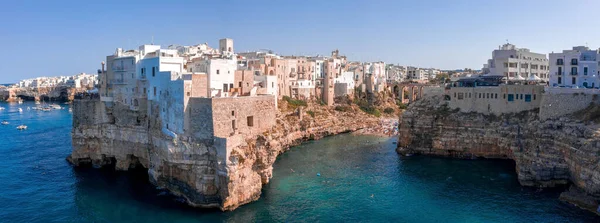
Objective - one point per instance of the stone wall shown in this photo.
(556, 105)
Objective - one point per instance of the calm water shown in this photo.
(362, 180)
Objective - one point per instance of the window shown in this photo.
(454, 94)
(153, 71)
(559, 80)
(460, 96)
(585, 71)
(188, 94)
(560, 71)
(479, 95)
(218, 71)
(272, 84)
(511, 97)
(250, 121)
(559, 62)
(504, 96)
(233, 125)
(224, 87)
(521, 96)
(230, 86)
(495, 96)
(240, 84)
(154, 91)
(232, 113)
(533, 96)
(469, 95)
(573, 80)
(131, 75)
(573, 61)
(527, 98)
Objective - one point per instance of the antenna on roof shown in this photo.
(152, 43)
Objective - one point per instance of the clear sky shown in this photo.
(52, 38)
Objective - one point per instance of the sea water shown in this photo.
(362, 179)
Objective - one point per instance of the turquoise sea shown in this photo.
(362, 179)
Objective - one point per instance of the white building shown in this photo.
(517, 63)
(220, 71)
(577, 67)
(416, 74)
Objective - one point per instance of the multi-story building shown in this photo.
(577, 67)
(517, 63)
(417, 74)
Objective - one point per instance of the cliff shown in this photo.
(220, 173)
(548, 152)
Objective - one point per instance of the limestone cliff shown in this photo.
(547, 153)
(198, 170)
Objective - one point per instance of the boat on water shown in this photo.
(46, 109)
(5, 122)
(2, 108)
(21, 127)
(55, 106)
(20, 101)
(20, 110)
(37, 102)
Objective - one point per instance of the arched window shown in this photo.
(135, 102)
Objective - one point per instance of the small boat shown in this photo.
(20, 110)
(2, 108)
(70, 110)
(5, 122)
(37, 102)
(20, 101)
(21, 127)
(46, 109)
(55, 106)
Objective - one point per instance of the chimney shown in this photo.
(102, 66)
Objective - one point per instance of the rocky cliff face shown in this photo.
(198, 170)
(547, 153)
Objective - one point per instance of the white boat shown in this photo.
(46, 109)
(20, 110)
(55, 106)
(22, 127)
(37, 102)
(20, 101)
(5, 123)
(2, 108)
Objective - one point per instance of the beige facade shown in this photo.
(497, 99)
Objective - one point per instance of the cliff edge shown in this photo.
(219, 173)
(547, 153)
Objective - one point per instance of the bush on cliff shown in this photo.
(311, 113)
(388, 110)
(343, 108)
(371, 110)
(294, 102)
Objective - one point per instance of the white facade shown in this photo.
(517, 63)
(346, 77)
(221, 74)
(575, 68)
(417, 74)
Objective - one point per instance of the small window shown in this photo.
(527, 98)
(188, 94)
(232, 113)
(217, 71)
(233, 124)
(504, 96)
(511, 97)
(154, 91)
(153, 71)
(250, 120)
(534, 97)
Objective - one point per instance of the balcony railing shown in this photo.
(574, 63)
(118, 68)
(573, 73)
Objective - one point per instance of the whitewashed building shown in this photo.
(577, 67)
(517, 63)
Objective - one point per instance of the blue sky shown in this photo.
(52, 38)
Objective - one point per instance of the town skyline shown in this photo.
(447, 36)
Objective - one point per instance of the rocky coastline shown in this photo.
(553, 152)
(193, 169)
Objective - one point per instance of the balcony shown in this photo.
(560, 62)
(118, 69)
(143, 77)
(116, 82)
(573, 73)
(574, 62)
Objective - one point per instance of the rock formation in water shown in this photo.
(195, 169)
(548, 153)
